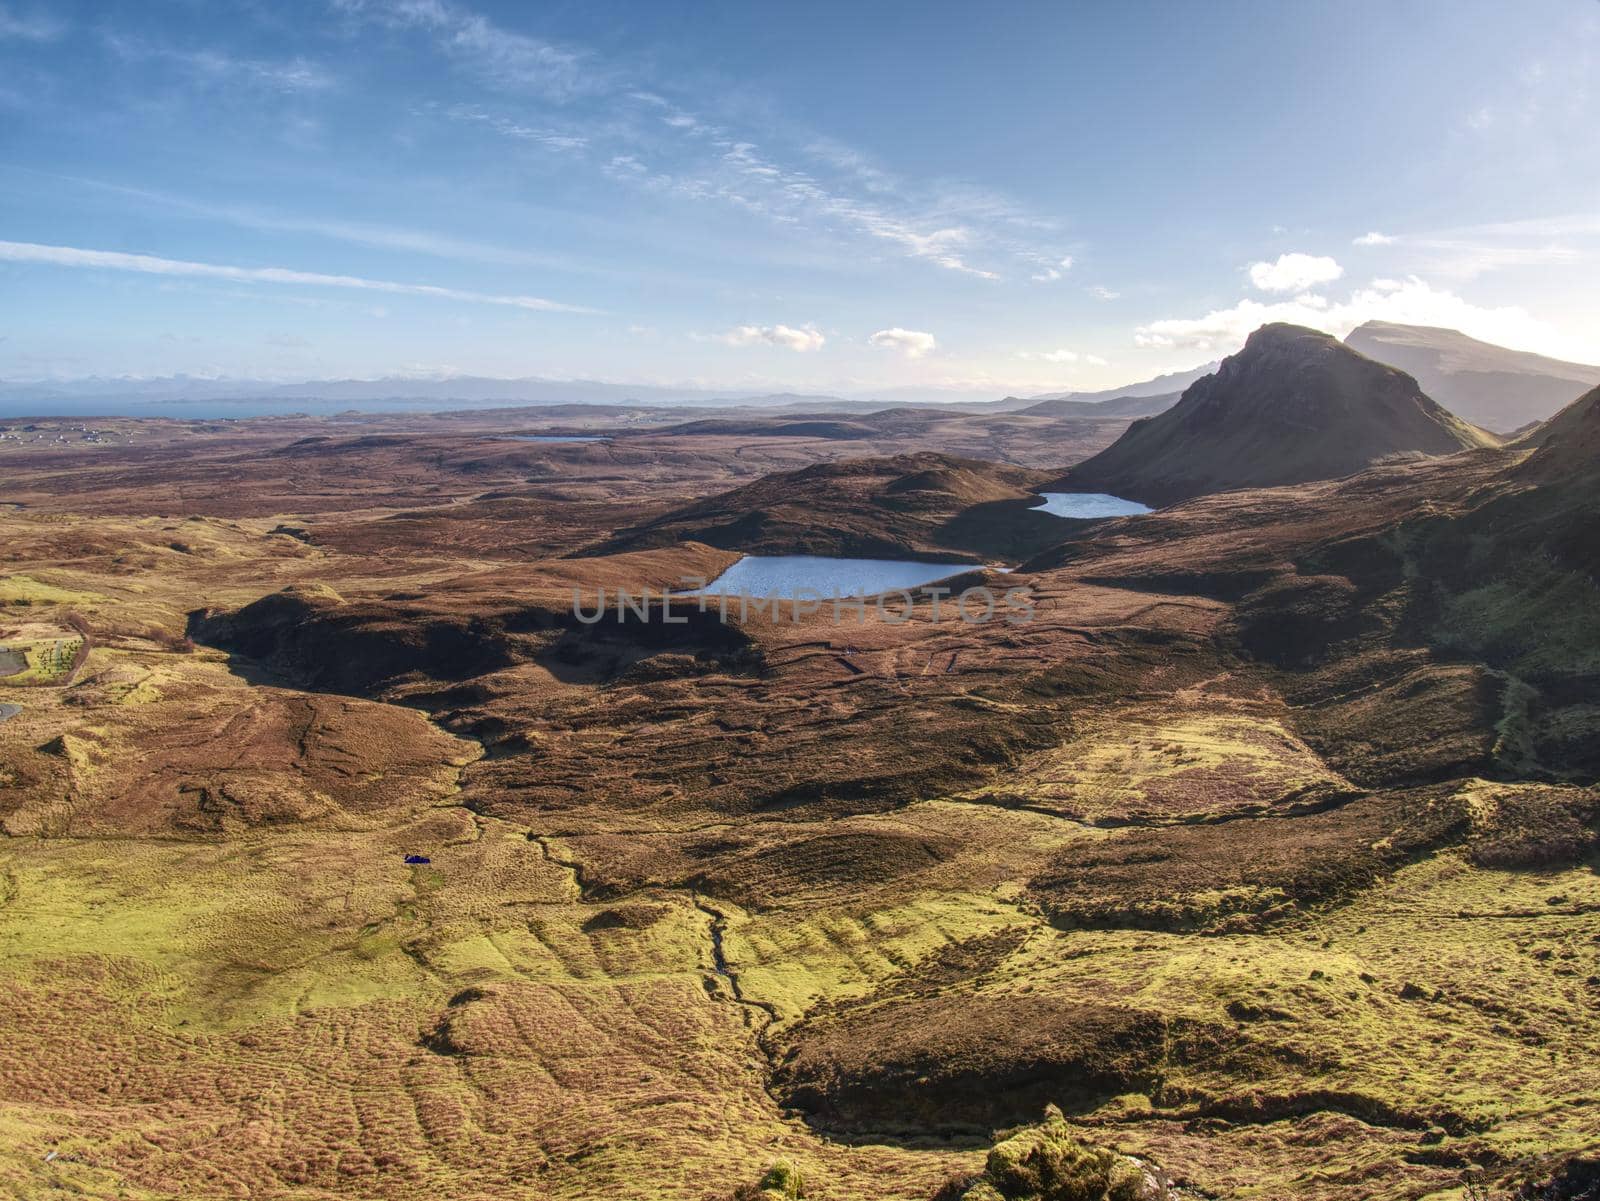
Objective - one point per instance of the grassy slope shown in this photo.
(271, 1003)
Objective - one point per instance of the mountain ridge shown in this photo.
(1294, 405)
(1494, 387)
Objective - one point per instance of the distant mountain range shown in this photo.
(188, 396)
(1490, 386)
(181, 396)
(1498, 389)
(1294, 405)
(1123, 406)
(1173, 383)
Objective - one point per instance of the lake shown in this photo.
(1088, 504)
(12, 663)
(551, 438)
(7, 712)
(786, 576)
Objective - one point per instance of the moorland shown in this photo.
(342, 862)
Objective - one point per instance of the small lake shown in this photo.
(7, 712)
(552, 438)
(787, 576)
(1088, 504)
(12, 662)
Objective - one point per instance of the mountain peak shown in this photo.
(1284, 333)
(1293, 405)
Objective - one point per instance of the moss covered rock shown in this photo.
(1048, 1163)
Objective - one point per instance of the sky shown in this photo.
(840, 197)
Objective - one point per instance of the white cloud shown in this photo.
(1294, 273)
(1103, 293)
(1051, 356)
(912, 343)
(111, 260)
(802, 339)
(1375, 239)
(1095, 360)
(1411, 301)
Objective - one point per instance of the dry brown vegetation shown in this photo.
(1265, 851)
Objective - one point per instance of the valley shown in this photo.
(343, 859)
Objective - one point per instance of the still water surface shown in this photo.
(1088, 504)
(787, 576)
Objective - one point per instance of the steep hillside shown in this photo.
(1568, 443)
(1293, 406)
(1488, 385)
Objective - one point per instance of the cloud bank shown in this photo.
(1410, 301)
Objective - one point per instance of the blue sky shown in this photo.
(1017, 197)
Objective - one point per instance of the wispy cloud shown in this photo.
(112, 260)
(359, 233)
(551, 139)
(1466, 252)
(29, 27)
(1567, 225)
(789, 337)
(498, 56)
(1050, 272)
(645, 139)
(674, 117)
(763, 186)
(216, 67)
(912, 343)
